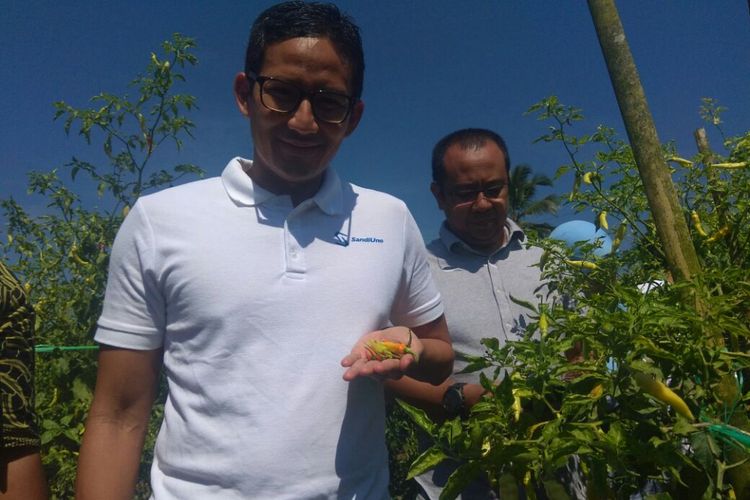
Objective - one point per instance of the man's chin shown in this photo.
(302, 174)
(278, 180)
(484, 241)
(486, 234)
(301, 166)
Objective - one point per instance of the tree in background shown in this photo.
(523, 186)
(63, 254)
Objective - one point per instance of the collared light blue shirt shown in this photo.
(477, 290)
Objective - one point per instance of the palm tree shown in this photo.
(523, 187)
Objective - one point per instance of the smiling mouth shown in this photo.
(483, 227)
(484, 222)
(300, 144)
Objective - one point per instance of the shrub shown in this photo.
(62, 255)
(611, 408)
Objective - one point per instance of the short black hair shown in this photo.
(466, 138)
(298, 19)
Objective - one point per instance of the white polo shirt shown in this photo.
(256, 302)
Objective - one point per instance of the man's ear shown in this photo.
(437, 192)
(243, 92)
(354, 117)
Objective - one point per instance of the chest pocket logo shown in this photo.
(341, 239)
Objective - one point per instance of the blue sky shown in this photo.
(432, 67)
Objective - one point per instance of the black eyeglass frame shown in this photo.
(303, 94)
(464, 197)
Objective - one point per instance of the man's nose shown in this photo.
(303, 120)
(481, 204)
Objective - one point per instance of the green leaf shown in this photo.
(475, 365)
(50, 424)
(703, 446)
(562, 170)
(460, 478)
(418, 416)
(683, 428)
(426, 461)
(645, 367)
(81, 391)
(491, 343)
(523, 303)
(451, 432)
(72, 434)
(48, 436)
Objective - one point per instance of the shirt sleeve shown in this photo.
(133, 315)
(418, 301)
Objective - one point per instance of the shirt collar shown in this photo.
(245, 193)
(455, 244)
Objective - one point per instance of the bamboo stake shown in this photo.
(671, 226)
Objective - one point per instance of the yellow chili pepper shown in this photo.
(530, 493)
(603, 220)
(543, 324)
(741, 164)
(55, 395)
(718, 234)
(681, 161)
(516, 405)
(597, 391)
(486, 447)
(77, 258)
(585, 264)
(697, 224)
(663, 393)
(619, 236)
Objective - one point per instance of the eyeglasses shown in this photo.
(284, 97)
(464, 196)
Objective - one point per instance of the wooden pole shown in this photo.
(671, 226)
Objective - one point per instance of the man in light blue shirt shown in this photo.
(479, 261)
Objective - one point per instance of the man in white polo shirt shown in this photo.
(257, 291)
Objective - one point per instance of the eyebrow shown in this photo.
(477, 185)
(317, 88)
